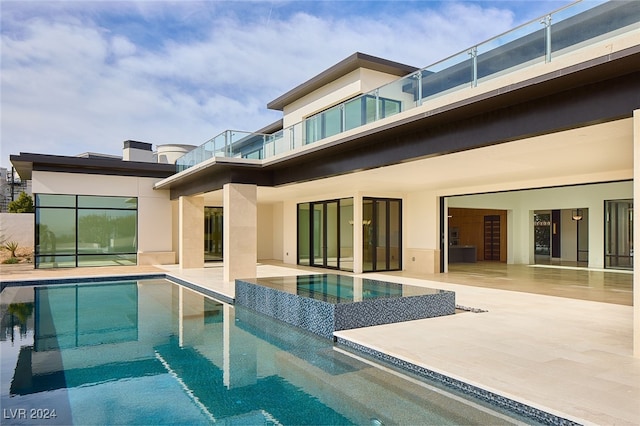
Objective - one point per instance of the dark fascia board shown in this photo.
(353, 62)
(26, 163)
(213, 178)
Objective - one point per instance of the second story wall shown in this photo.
(355, 83)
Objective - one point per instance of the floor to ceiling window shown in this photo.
(381, 234)
(325, 234)
(619, 234)
(84, 230)
(213, 234)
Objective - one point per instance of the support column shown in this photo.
(191, 232)
(636, 233)
(240, 240)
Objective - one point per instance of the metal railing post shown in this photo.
(547, 35)
(474, 66)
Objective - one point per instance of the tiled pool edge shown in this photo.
(492, 398)
(99, 278)
(203, 290)
(83, 279)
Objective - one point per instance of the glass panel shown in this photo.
(303, 234)
(346, 234)
(516, 49)
(395, 234)
(448, 75)
(55, 232)
(107, 260)
(542, 236)
(381, 236)
(107, 202)
(619, 234)
(333, 235)
(368, 249)
(403, 91)
(353, 114)
(369, 109)
(54, 261)
(106, 231)
(51, 200)
(213, 233)
(313, 129)
(390, 107)
(572, 27)
(318, 234)
(332, 122)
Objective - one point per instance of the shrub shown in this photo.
(11, 261)
(24, 204)
(12, 246)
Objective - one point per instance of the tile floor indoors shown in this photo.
(558, 339)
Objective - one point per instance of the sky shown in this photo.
(84, 76)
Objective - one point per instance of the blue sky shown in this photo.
(83, 76)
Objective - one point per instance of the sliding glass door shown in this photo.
(325, 235)
(381, 234)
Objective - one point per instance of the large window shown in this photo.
(85, 230)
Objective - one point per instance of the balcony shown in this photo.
(536, 42)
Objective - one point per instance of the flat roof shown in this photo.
(352, 63)
(25, 163)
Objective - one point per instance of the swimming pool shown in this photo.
(154, 352)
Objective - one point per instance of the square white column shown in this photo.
(191, 232)
(240, 234)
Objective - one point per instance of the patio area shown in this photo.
(558, 339)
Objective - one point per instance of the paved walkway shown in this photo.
(566, 356)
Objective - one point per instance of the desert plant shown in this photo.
(12, 246)
(11, 261)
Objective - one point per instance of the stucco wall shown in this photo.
(18, 227)
(346, 87)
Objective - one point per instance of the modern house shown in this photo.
(518, 150)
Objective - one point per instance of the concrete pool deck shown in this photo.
(566, 356)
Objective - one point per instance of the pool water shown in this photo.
(154, 352)
(337, 289)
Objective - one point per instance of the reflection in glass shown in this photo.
(85, 230)
(619, 234)
(213, 226)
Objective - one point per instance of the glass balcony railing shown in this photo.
(538, 41)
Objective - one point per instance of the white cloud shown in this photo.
(70, 85)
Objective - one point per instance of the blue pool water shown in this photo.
(153, 352)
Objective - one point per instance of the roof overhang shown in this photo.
(344, 67)
(26, 163)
